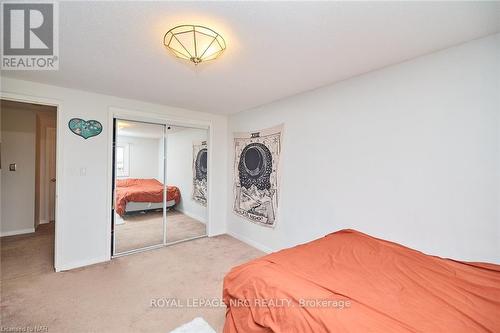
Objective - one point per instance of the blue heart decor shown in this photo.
(85, 128)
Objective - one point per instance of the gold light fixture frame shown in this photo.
(200, 48)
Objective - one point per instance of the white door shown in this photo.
(51, 171)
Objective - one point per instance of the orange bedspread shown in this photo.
(142, 190)
(351, 282)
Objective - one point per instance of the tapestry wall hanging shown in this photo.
(200, 172)
(256, 175)
(85, 128)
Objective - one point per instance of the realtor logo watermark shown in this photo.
(30, 36)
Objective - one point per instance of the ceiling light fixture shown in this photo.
(194, 43)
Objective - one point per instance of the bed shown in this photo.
(348, 281)
(133, 194)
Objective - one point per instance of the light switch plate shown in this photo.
(12, 167)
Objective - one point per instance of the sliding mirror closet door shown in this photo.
(187, 178)
(139, 208)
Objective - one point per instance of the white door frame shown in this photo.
(59, 225)
(48, 178)
(163, 119)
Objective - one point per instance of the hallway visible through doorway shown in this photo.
(28, 173)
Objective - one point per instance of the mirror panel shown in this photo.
(187, 177)
(139, 209)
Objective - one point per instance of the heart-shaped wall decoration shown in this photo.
(85, 128)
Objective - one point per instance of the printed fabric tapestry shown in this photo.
(256, 175)
(200, 172)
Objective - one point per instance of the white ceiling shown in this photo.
(144, 130)
(275, 49)
(138, 129)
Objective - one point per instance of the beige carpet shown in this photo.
(146, 229)
(114, 296)
(27, 255)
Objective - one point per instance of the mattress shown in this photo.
(133, 206)
(351, 282)
(142, 190)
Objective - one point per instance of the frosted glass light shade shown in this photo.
(194, 43)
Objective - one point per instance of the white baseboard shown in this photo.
(250, 242)
(80, 263)
(191, 215)
(17, 232)
(43, 221)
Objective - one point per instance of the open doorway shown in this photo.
(28, 186)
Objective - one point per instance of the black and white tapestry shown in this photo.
(200, 172)
(256, 170)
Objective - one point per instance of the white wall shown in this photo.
(161, 161)
(1, 183)
(82, 224)
(180, 169)
(144, 156)
(18, 187)
(409, 153)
